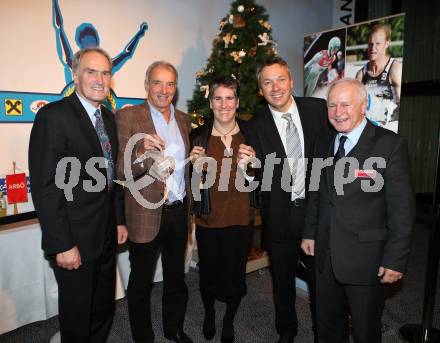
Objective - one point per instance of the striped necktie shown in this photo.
(105, 146)
(294, 155)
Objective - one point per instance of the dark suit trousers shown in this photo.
(86, 297)
(171, 241)
(284, 262)
(336, 301)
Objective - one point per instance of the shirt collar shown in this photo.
(354, 135)
(292, 109)
(156, 113)
(90, 109)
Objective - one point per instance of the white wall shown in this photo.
(180, 31)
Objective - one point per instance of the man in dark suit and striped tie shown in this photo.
(286, 129)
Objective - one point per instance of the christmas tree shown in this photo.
(243, 42)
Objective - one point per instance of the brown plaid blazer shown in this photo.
(143, 223)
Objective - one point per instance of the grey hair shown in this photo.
(156, 64)
(79, 54)
(360, 87)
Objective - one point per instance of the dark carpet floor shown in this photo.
(255, 319)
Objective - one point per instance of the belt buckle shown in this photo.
(297, 202)
(169, 205)
(174, 204)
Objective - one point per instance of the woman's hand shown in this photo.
(245, 153)
(196, 152)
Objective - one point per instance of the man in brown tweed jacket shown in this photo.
(162, 223)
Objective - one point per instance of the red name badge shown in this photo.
(365, 174)
(16, 188)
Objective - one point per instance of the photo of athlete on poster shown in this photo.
(374, 57)
(324, 61)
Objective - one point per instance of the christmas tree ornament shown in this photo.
(205, 89)
(201, 120)
(231, 19)
(265, 39)
(240, 8)
(199, 73)
(265, 24)
(238, 55)
(222, 24)
(238, 21)
(229, 39)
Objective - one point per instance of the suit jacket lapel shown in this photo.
(144, 119)
(330, 171)
(363, 148)
(86, 125)
(272, 134)
(180, 119)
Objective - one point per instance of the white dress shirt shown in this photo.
(174, 147)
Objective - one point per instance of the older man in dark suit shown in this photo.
(359, 221)
(79, 226)
(286, 129)
(158, 219)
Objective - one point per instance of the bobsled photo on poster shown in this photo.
(324, 61)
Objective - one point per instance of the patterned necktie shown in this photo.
(106, 147)
(341, 150)
(294, 154)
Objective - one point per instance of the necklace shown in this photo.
(224, 135)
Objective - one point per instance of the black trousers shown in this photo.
(86, 297)
(171, 241)
(336, 301)
(284, 262)
(223, 256)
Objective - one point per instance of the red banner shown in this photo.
(16, 188)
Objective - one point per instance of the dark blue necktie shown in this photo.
(341, 150)
(106, 147)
